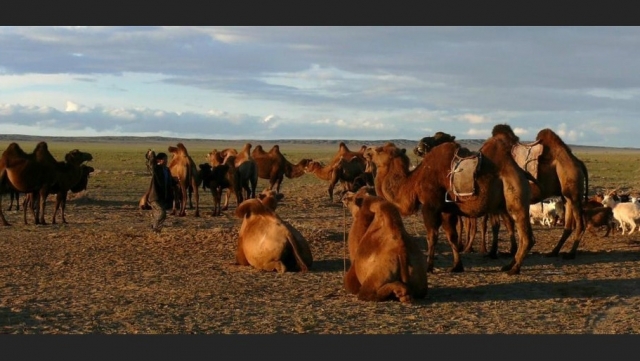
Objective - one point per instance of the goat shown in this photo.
(623, 212)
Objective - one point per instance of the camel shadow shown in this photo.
(521, 291)
(331, 265)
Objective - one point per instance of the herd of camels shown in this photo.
(450, 186)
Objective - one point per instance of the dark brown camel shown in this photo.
(27, 173)
(274, 166)
(185, 170)
(559, 173)
(343, 171)
(224, 175)
(61, 195)
(499, 185)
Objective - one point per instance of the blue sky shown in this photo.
(361, 83)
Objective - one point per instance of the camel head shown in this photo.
(77, 157)
(312, 166)
(427, 143)
(353, 200)
(270, 198)
(383, 155)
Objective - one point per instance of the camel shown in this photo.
(497, 185)
(6, 187)
(267, 242)
(385, 262)
(27, 173)
(343, 171)
(247, 168)
(184, 169)
(150, 157)
(232, 179)
(79, 185)
(218, 178)
(274, 166)
(559, 173)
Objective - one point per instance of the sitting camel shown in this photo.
(385, 261)
(490, 182)
(185, 170)
(267, 242)
(27, 173)
(274, 166)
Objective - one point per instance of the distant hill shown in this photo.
(472, 144)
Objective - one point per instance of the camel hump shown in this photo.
(14, 150)
(505, 129)
(275, 149)
(172, 149)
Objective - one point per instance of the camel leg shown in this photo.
(226, 201)
(449, 226)
(275, 266)
(495, 229)
(369, 291)
(509, 224)
(4, 220)
(526, 242)
(241, 259)
(472, 229)
(483, 230)
(432, 221)
(43, 201)
(351, 283)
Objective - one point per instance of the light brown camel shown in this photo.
(274, 166)
(267, 242)
(499, 185)
(185, 170)
(559, 173)
(27, 173)
(385, 261)
(343, 171)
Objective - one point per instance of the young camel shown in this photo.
(501, 186)
(385, 262)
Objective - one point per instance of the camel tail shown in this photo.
(404, 268)
(296, 252)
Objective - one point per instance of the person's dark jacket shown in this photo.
(162, 186)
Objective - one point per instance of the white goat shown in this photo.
(623, 212)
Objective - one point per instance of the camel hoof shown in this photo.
(513, 271)
(456, 269)
(506, 268)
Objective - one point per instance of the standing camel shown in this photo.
(27, 173)
(274, 166)
(499, 186)
(559, 173)
(185, 170)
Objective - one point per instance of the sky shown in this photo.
(307, 82)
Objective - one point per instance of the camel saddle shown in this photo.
(526, 155)
(463, 174)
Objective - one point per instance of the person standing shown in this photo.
(160, 194)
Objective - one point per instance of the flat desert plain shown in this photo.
(105, 272)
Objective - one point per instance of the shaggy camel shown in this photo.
(79, 185)
(385, 261)
(185, 170)
(267, 242)
(343, 171)
(27, 173)
(247, 169)
(559, 173)
(499, 185)
(274, 166)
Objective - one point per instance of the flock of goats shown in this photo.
(505, 181)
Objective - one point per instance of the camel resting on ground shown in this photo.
(267, 242)
(386, 262)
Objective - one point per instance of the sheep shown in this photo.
(624, 213)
